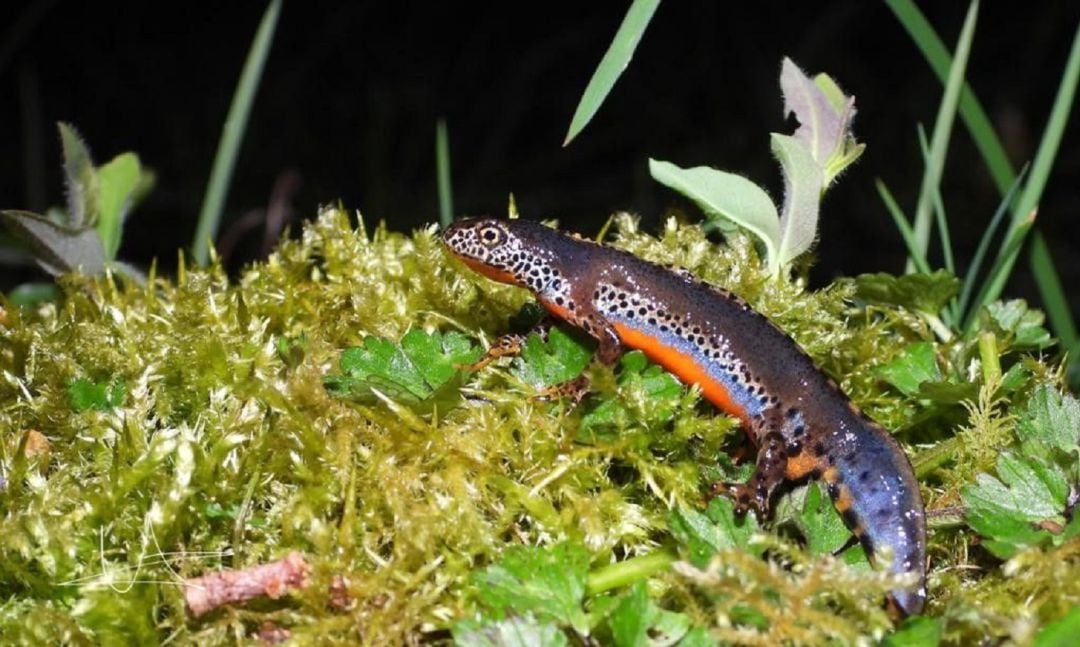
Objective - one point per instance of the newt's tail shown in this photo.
(875, 491)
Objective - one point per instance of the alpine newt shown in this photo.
(802, 424)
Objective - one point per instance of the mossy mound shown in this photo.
(154, 433)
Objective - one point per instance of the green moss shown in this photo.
(226, 450)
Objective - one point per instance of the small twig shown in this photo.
(208, 592)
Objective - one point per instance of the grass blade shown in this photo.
(939, 142)
(951, 313)
(232, 133)
(442, 174)
(940, 218)
(971, 111)
(993, 153)
(1053, 297)
(1041, 165)
(612, 65)
(984, 243)
(916, 256)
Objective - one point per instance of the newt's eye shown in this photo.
(491, 236)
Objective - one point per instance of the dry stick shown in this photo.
(208, 592)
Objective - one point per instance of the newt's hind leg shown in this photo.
(768, 474)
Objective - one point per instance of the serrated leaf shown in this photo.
(546, 582)
(817, 519)
(550, 362)
(85, 394)
(658, 392)
(803, 183)
(514, 631)
(726, 198)
(118, 182)
(1021, 325)
(916, 365)
(1051, 418)
(412, 371)
(927, 293)
(1006, 511)
(80, 179)
(57, 249)
(704, 534)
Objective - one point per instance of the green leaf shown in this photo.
(514, 631)
(85, 394)
(1051, 418)
(80, 179)
(419, 368)
(926, 293)
(725, 196)
(917, 364)
(917, 631)
(1022, 327)
(1061, 632)
(636, 621)
(816, 518)
(631, 618)
(803, 183)
(821, 130)
(31, 294)
(698, 637)
(825, 115)
(57, 249)
(647, 394)
(546, 582)
(1006, 511)
(551, 362)
(704, 534)
(611, 67)
(119, 184)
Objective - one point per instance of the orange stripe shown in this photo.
(489, 271)
(684, 366)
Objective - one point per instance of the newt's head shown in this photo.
(519, 252)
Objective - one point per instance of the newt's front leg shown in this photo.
(768, 474)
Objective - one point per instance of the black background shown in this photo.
(352, 91)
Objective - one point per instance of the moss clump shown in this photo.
(224, 449)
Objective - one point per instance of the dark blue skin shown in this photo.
(801, 422)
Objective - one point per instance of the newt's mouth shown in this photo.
(491, 272)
